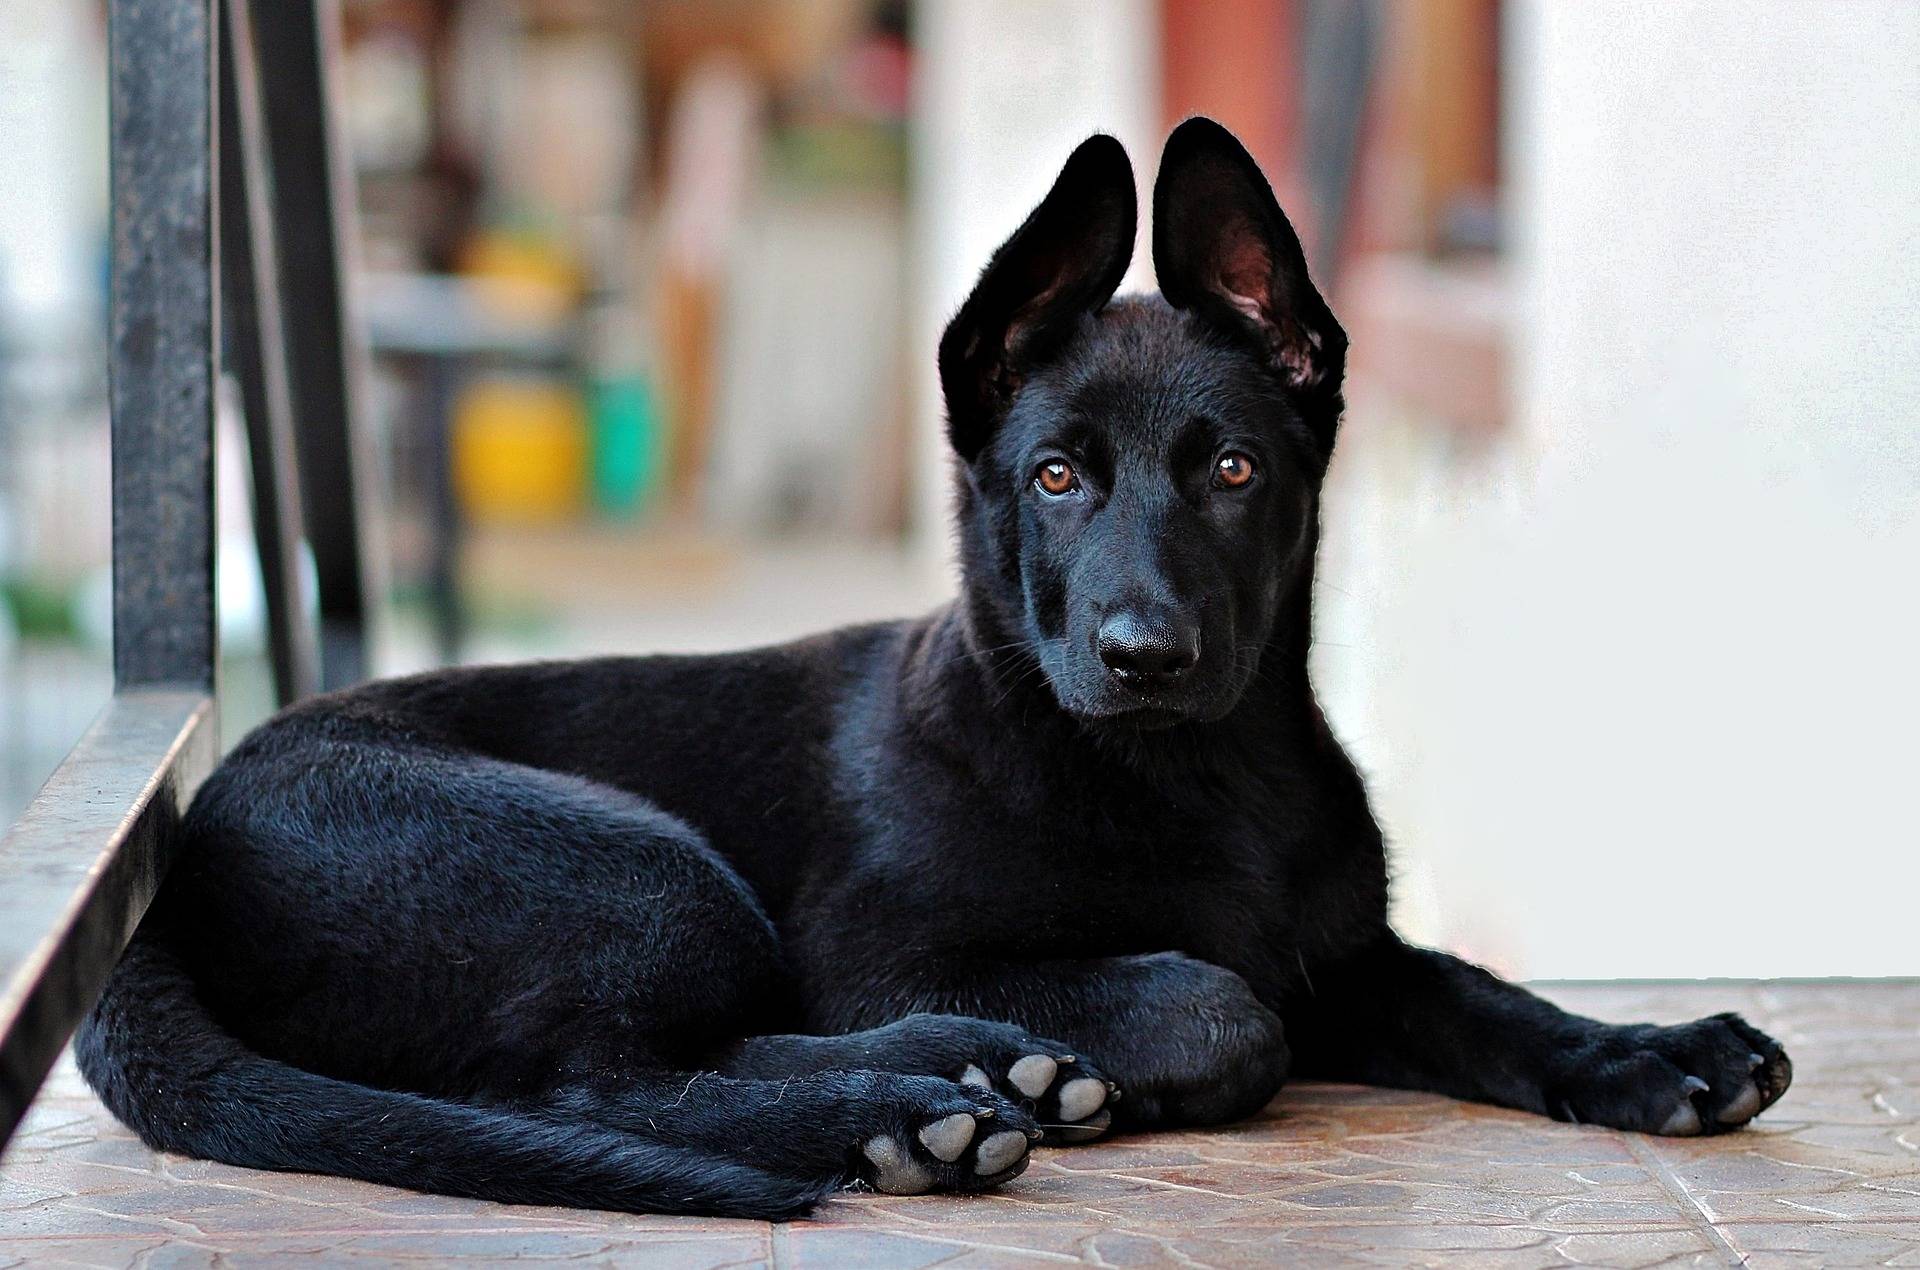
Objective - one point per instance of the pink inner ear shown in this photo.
(1246, 278)
(1297, 357)
(1247, 304)
(1246, 282)
(1026, 315)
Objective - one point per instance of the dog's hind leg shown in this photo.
(903, 1135)
(423, 918)
(1065, 1091)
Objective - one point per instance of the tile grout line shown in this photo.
(1671, 1183)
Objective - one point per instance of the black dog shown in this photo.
(718, 933)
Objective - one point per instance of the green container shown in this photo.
(625, 419)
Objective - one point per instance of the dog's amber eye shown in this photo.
(1233, 470)
(1055, 477)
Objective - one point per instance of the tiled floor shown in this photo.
(1328, 1175)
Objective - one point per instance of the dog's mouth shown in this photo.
(1144, 718)
(1114, 706)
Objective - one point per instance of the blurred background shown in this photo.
(1620, 592)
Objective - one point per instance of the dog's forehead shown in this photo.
(1142, 364)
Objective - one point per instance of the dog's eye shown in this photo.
(1055, 477)
(1233, 471)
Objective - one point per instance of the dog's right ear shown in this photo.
(1065, 261)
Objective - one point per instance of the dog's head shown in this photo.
(1140, 477)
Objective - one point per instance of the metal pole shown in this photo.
(78, 869)
(164, 340)
(257, 354)
(298, 43)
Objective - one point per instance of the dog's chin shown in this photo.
(1144, 718)
(1123, 710)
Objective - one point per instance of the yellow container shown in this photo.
(523, 274)
(520, 450)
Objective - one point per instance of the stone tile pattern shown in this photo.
(1329, 1175)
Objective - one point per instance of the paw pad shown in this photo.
(1070, 1102)
(1081, 1097)
(895, 1171)
(980, 1147)
(1033, 1075)
(999, 1152)
(1683, 1123)
(1744, 1107)
(947, 1137)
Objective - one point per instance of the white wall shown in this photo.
(53, 135)
(1639, 686)
(1006, 90)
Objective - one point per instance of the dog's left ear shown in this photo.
(1064, 262)
(1223, 248)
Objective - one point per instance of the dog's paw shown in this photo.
(1708, 1076)
(1069, 1098)
(1065, 1092)
(950, 1137)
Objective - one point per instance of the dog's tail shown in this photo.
(166, 1068)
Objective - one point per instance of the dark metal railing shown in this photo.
(256, 346)
(227, 194)
(298, 44)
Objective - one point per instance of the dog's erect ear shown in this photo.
(1065, 261)
(1223, 248)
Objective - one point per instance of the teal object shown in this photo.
(625, 420)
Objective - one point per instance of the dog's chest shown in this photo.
(1143, 875)
(1254, 870)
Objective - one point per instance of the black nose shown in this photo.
(1146, 654)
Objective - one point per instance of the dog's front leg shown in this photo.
(1187, 1041)
(1413, 1018)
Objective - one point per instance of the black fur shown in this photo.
(717, 933)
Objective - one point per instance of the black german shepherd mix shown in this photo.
(716, 934)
